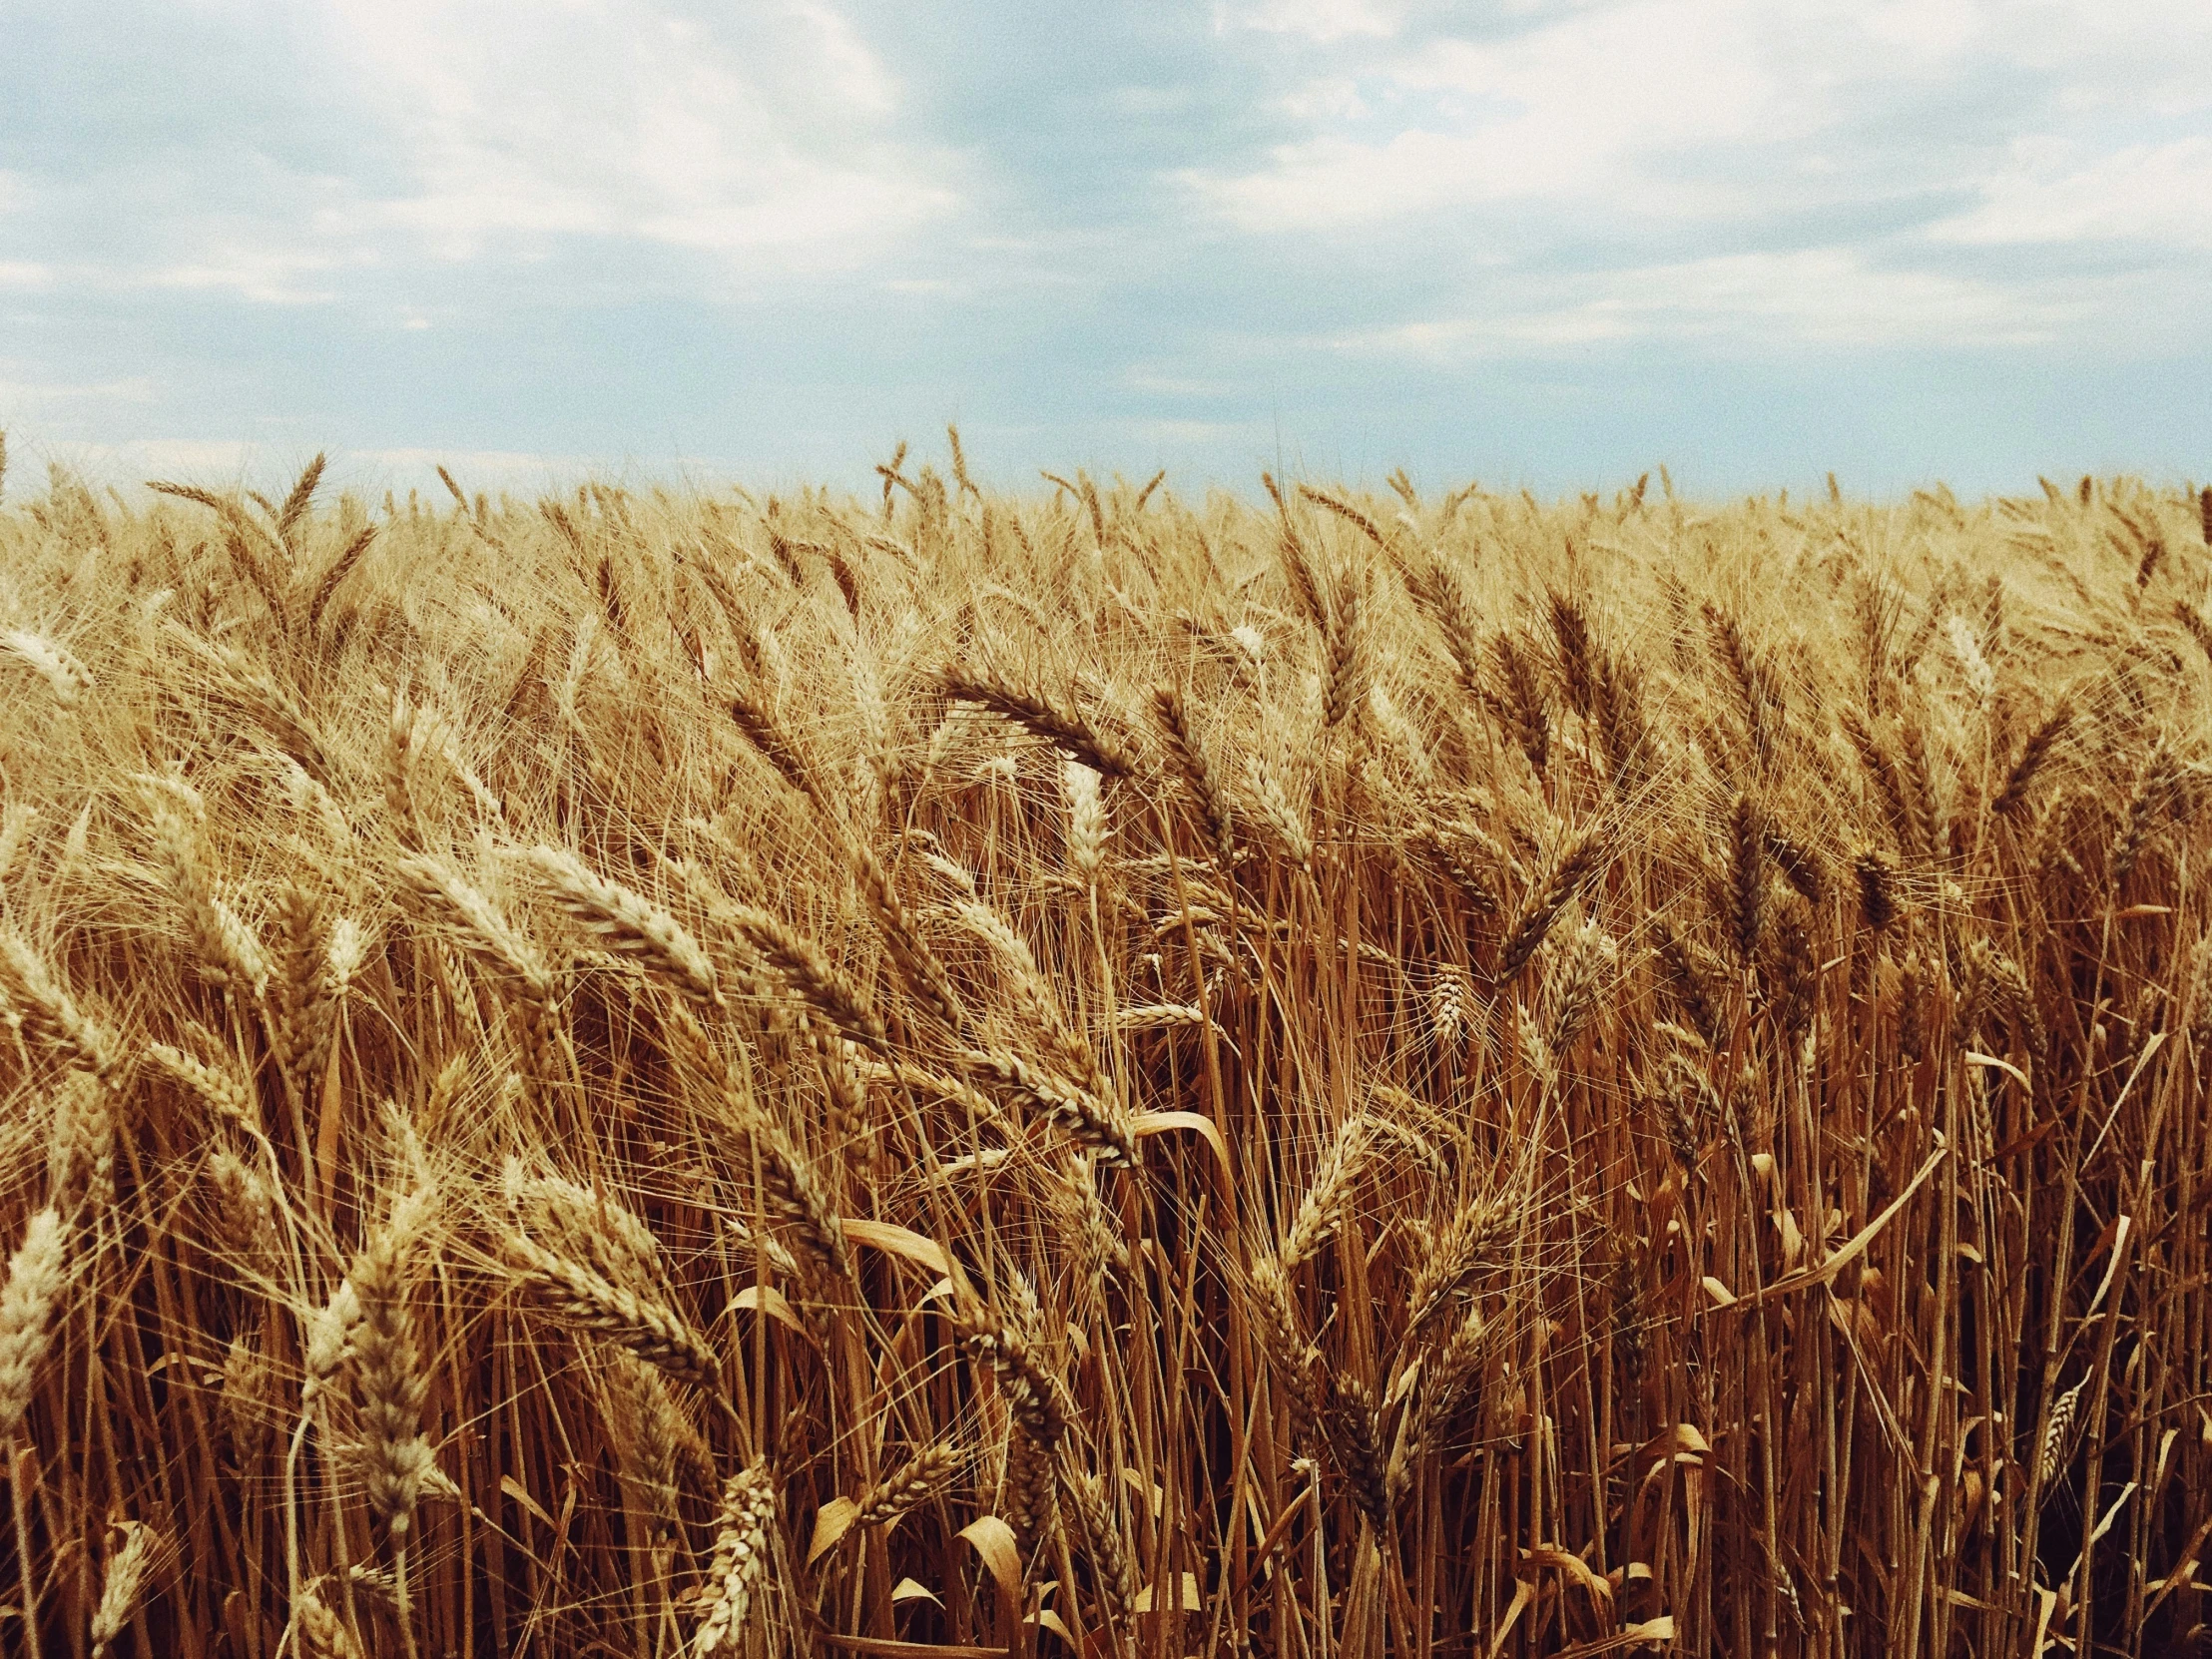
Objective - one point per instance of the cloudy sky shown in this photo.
(1542, 242)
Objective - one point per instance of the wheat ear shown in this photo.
(221, 1091)
(1086, 839)
(1034, 991)
(1099, 1519)
(1573, 868)
(1032, 1490)
(612, 1239)
(920, 969)
(1290, 1354)
(31, 998)
(2050, 1459)
(1038, 1399)
(740, 1560)
(809, 970)
(227, 953)
(926, 1475)
(1044, 716)
(626, 922)
(2034, 754)
(1747, 876)
(653, 1440)
(1098, 1123)
(35, 1277)
(1801, 867)
(1191, 764)
(389, 1385)
(753, 719)
(797, 1194)
(587, 1300)
(1466, 1243)
(118, 1587)
(66, 677)
(1355, 1442)
(1343, 658)
(1321, 1211)
(308, 989)
(1878, 878)
(485, 934)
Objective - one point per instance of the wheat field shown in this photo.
(1313, 1074)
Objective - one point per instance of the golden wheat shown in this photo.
(1367, 1073)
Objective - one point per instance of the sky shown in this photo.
(1540, 242)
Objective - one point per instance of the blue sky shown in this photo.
(1540, 242)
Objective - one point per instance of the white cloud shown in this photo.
(1829, 296)
(227, 257)
(471, 468)
(1191, 432)
(2128, 57)
(1372, 188)
(1923, 149)
(2159, 193)
(222, 463)
(1592, 105)
(1320, 21)
(622, 118)
(205, 461)
(1836, 297)
(766, 135)
(37, 396)
(1168, 383)
(272, 276)
(1669, 111)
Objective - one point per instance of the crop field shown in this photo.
(1318, 1073)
